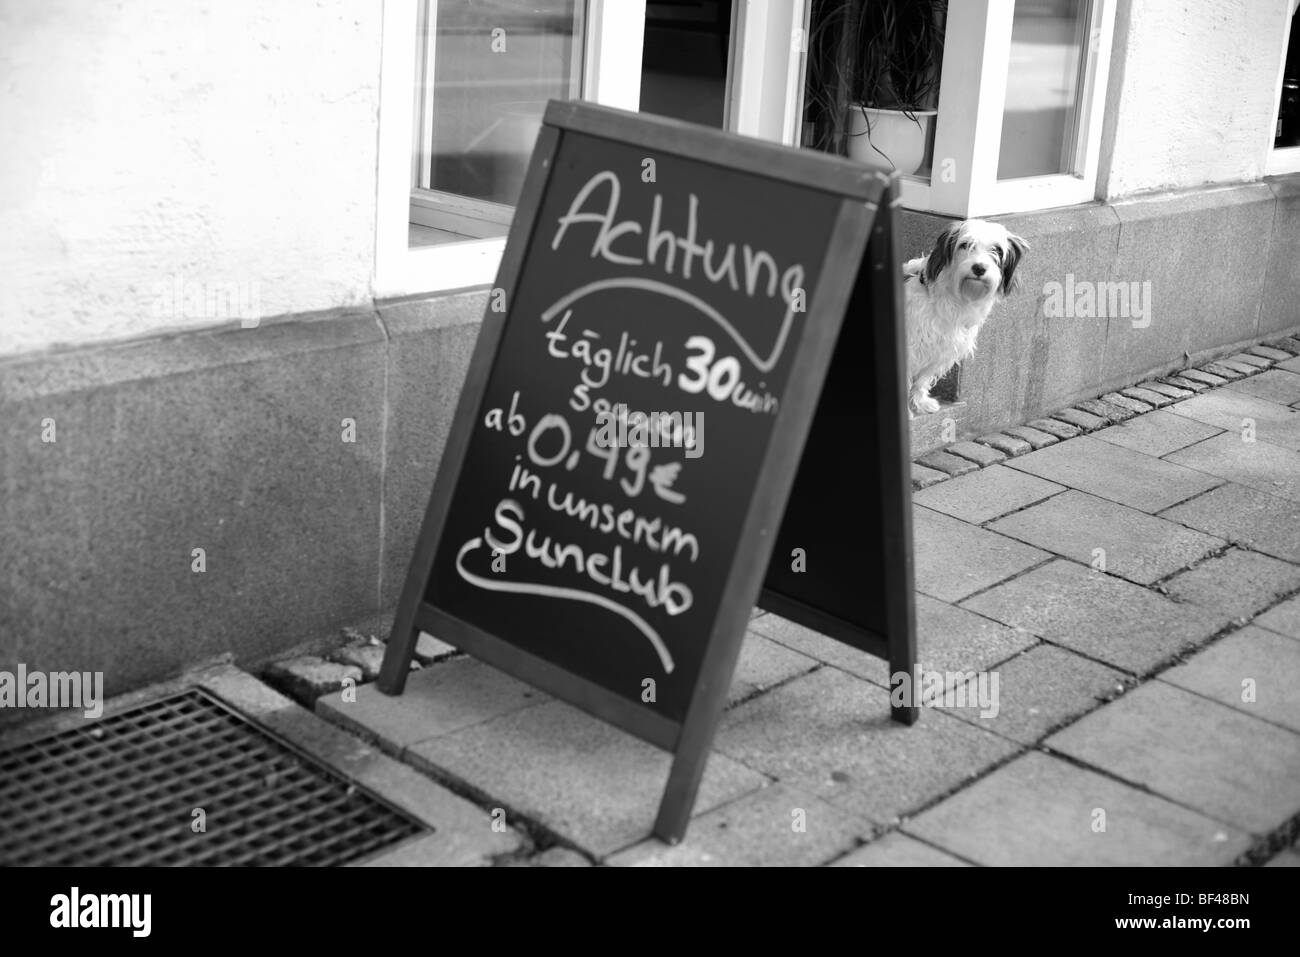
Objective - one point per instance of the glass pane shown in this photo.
(495, 64)
(1288, 109)
(1039, 118)
(684, 59)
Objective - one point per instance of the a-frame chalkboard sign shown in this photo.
(633, 420)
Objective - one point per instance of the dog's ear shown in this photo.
(1015, 251)
(945, 247)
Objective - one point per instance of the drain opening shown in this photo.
(123, 791)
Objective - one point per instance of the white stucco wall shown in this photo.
(1192, 93)
(225, 149)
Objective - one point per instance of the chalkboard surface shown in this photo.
(612, 561)
(633, 418)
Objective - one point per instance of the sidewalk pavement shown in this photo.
(1135, 591)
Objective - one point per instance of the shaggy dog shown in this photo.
(949, 295)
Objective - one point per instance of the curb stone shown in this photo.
(977, 452)
(1083, 421)
(923, 477)
(1009, 444)
(1199, 375)
(951, 464)
(1222, 371)
(1036, 438)
(1172, 392)
(1152, 398)
(1183, 382)
(1057, 427)
(1268, 352)
(1136, 406)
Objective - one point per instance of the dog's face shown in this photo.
(973, 261)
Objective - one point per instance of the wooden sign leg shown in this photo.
(398, 653)
(684, 780)
(894, 433)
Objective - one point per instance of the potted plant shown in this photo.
(873, 78)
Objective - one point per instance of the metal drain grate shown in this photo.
(122, 791)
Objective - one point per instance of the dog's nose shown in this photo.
(977, 269)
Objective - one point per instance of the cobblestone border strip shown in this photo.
(1089, 415)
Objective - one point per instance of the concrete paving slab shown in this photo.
(764, 663)
(948, 639)
(1119, 474)
(1157, 433)
(1237, 583)
(986, 494)
(1202, 754)
(1098, 615)
(830, 733)
(1044, 688)
(779, 825)
(897, 849)
(1289, 365)
(954, 559)
(1133, 544)
(463, 834)
(1253, 670)
(559, 857)
(1275, 385)
(429, 649)
(596, 786)
(1039, 810)
(440, 699)
(1259, 465)
(1283, 618)
(1245, 516)
(1235, 412)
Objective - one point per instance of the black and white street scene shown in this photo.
(659, 433)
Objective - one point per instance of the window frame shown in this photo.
(977, 49)
(611, 75)
(1281, 160)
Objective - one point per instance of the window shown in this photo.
(1284, 148)
(1022, 87)
(450, 163)
(463, 84)
(487, 68)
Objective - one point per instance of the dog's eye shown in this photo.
(962, 245)
(997, 252)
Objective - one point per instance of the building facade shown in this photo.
(245, 249)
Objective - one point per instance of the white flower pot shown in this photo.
(891, 132)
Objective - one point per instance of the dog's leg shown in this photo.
(919, 400)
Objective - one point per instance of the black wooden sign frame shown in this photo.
(864, 222)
